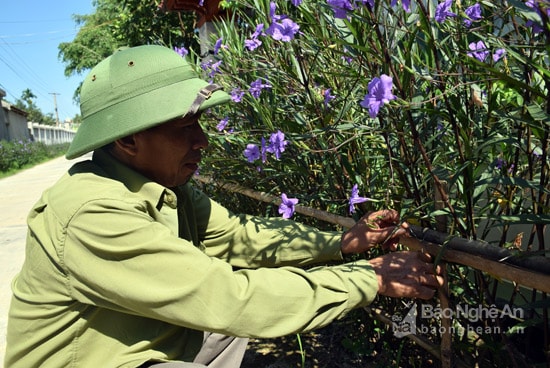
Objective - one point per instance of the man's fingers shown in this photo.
(425, 293)
(407, 274)
(428, 259)
(425, 257)
(385, 217)
(431, 280)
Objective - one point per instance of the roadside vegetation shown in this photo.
(16, 156)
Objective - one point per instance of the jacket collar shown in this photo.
(134, 181)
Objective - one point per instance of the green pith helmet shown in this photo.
(135, 89)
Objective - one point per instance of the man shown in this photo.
(127, 265)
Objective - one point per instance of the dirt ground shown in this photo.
(353, 342)
(322, 349)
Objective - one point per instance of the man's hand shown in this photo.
(374, 228)
(406, 275)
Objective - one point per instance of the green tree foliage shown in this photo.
(34, 113)
(123, 23)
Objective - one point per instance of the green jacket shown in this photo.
(120, 270)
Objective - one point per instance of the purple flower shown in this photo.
(277, 144)
(218, 45)
(498, 54)
(479, 50)
(256, 87)
(252, 44)
(536, 5)
(181, 51)
(214, 68)
(287, 206)
(379, 94)
(354, 199)
(272, 9)
(370, 3)
(473, 14)
(441, 129)
(537, 28)
(281, 28)
(284, 30)
(258, 32)
(340, 8)
(211, 67)
(222, 124)
(347, 59)
(237, 95)
(406, 4)
(443, 11)
(328, 97)
(252, 152)
(263, 150)
(274, 17)
(296, 2)
(500, 163)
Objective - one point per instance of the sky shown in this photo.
(30, 32)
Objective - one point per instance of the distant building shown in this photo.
(13, 122)
(15, 127)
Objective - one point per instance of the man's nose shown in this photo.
(200, 139)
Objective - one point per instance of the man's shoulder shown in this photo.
(84, 183)
(87, 180)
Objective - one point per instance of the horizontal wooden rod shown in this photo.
(345, 222)
(524, 277)
(498, 270)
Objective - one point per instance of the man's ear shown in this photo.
(127, 145)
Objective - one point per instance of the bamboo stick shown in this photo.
(496, 269)
(443, 290)
(345, 222)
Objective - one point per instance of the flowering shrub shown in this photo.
(404, 101)
(18, 154)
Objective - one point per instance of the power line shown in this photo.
(8, 92)
(33, 21)
(23, 70)
(72, 31)
(35, 83)
(33, 76)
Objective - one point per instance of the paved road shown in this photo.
(18, 193)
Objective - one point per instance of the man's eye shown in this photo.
(184, 126)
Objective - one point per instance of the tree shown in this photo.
(27, 96)
(117, 24)
(35, 115)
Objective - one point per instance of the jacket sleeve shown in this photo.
(251, 242)
(129, 263)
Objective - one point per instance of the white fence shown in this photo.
(50, 134)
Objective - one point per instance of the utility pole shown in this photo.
(55, 106)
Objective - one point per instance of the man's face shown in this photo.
(169, 154)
